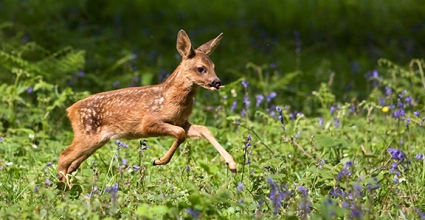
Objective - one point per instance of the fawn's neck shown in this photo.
(179, 86)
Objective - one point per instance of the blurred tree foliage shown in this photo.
(131, 42)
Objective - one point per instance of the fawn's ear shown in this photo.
(209, 46)
(184, 46)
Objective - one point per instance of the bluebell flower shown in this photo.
(193, 212)
(337, 123)
(396, 154)
(421, 214)
(419, 156)
(416, 113)
(240, 187)
(352, 108)
(114, 190)
(246, 101)
(375, 74)
(48, 164)
(381, 101)
(271, 96)
(124, 162)
(356, 212)
(232, 109)
(408, 100)
(303, 190)
(388, 91)
(407, 122)
(260, 99)
(337, 192)
(346, 172)
(136, 168)
(81, 74)
(277, 194)
(321, 163)
(279, 110)
(120, 144)
(30, 90)
(187, 168)
(332, 109)
(244, 83)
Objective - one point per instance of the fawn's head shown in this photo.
(196, 64)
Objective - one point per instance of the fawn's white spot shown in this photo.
(156, 103)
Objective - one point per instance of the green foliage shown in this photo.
(319, 126)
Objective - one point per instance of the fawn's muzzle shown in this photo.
(216, 84)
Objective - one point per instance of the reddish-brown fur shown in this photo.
(148, 111)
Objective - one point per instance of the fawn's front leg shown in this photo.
(164, 129)
(198, 131)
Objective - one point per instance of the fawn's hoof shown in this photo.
(157, 162)
(232, 167)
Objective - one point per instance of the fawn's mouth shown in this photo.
(212, 88)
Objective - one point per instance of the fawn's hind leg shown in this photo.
(79, 150)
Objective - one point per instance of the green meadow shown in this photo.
(322, 110)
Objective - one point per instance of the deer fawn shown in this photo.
(147, 111)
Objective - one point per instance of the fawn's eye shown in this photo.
(201, 69)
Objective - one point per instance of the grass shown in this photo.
(356, 160)
(321, 124)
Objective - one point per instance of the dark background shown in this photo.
(131, 43)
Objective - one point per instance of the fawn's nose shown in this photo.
(216, 84)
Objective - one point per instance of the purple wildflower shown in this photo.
(120, 144)
(271, 96)
(240, 187)
(335, 192)
(356, 212)
(381, 101)
(244, 84)
(193, 212)
(30, 90)
(279, 110)
(1, 139)
(81, 74)
(388, 91)
(408, 100)
(346, 172)
(303, 190)
(277, 194)
(124, 162)
(352, 108)
(321, 121)
(416, 113)
(421, 214)
(407, 122)
(48, 164)
(136, 168)
(332, 109)
(419, 156)
(260, 99)
(321, 163)
(114, 191)
(246, 101)
(337, 123)
(232, 109)
(396, 154)
(187, 168)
